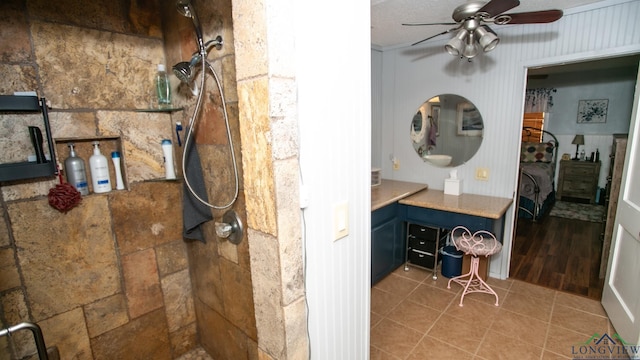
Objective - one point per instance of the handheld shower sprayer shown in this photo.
(185, 71)
(185, 8)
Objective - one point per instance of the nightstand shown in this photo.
(578, 179)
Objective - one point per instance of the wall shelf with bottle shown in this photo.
(84, 149)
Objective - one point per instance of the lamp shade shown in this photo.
(455, 46)
(470, 50)
(578, 140)
(487, 39)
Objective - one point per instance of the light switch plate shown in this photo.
(482, 174)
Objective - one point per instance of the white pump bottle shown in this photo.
(99, 166)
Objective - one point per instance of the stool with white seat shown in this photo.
(480, 243)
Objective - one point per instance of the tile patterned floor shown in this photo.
(414, 317)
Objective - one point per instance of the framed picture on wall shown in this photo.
(592, 111)
(469, 121)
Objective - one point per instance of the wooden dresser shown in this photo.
(612, 190)
(578, 180)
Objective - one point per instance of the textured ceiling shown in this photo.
(387, 17)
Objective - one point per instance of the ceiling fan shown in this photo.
(472, 33)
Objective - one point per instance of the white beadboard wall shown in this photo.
(376, 106)
(334, 119)
(495, 83)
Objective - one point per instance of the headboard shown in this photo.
(533, 149)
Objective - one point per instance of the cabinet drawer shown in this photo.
(420, 258)
(577, 185)
(580, 170)
(423, 232)
(423, 245)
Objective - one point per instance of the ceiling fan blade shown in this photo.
(534, 17)
(436, 35)
(421, 24)
(497, 7)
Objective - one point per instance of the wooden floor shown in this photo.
(561, 254)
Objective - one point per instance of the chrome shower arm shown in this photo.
(217, 42)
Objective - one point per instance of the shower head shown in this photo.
(185, 70)
(185, 8)
(182, 70)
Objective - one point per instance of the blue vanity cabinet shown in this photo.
(446, 219)
(387, 242)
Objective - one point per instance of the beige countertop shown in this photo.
(390, 191)
(469, 204)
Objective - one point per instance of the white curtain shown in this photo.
(539, 100)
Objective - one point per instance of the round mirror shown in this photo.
(446, 130)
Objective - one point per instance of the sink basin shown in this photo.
(439, 160)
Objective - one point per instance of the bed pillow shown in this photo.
(536, 152)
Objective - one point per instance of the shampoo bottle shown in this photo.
(167, 150)
(76, 172)
(115, 157)
(100, 178)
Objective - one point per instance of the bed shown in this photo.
(538, 159)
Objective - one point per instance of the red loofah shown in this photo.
(64, 196)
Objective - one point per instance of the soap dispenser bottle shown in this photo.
(76, 172)
(100, 178)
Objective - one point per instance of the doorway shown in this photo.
(561, 251)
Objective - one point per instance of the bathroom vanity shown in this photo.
(387, 228)
(476, 212)
(395, 203)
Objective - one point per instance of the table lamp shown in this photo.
(577, 141)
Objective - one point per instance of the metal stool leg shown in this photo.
(474, 283)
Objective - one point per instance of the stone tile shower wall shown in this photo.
(110, 279)
(220, 271)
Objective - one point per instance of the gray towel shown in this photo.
(194, 213)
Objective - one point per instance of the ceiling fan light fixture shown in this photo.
(487, 39)
(456, 45)
(470, 49)
(473, 36)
